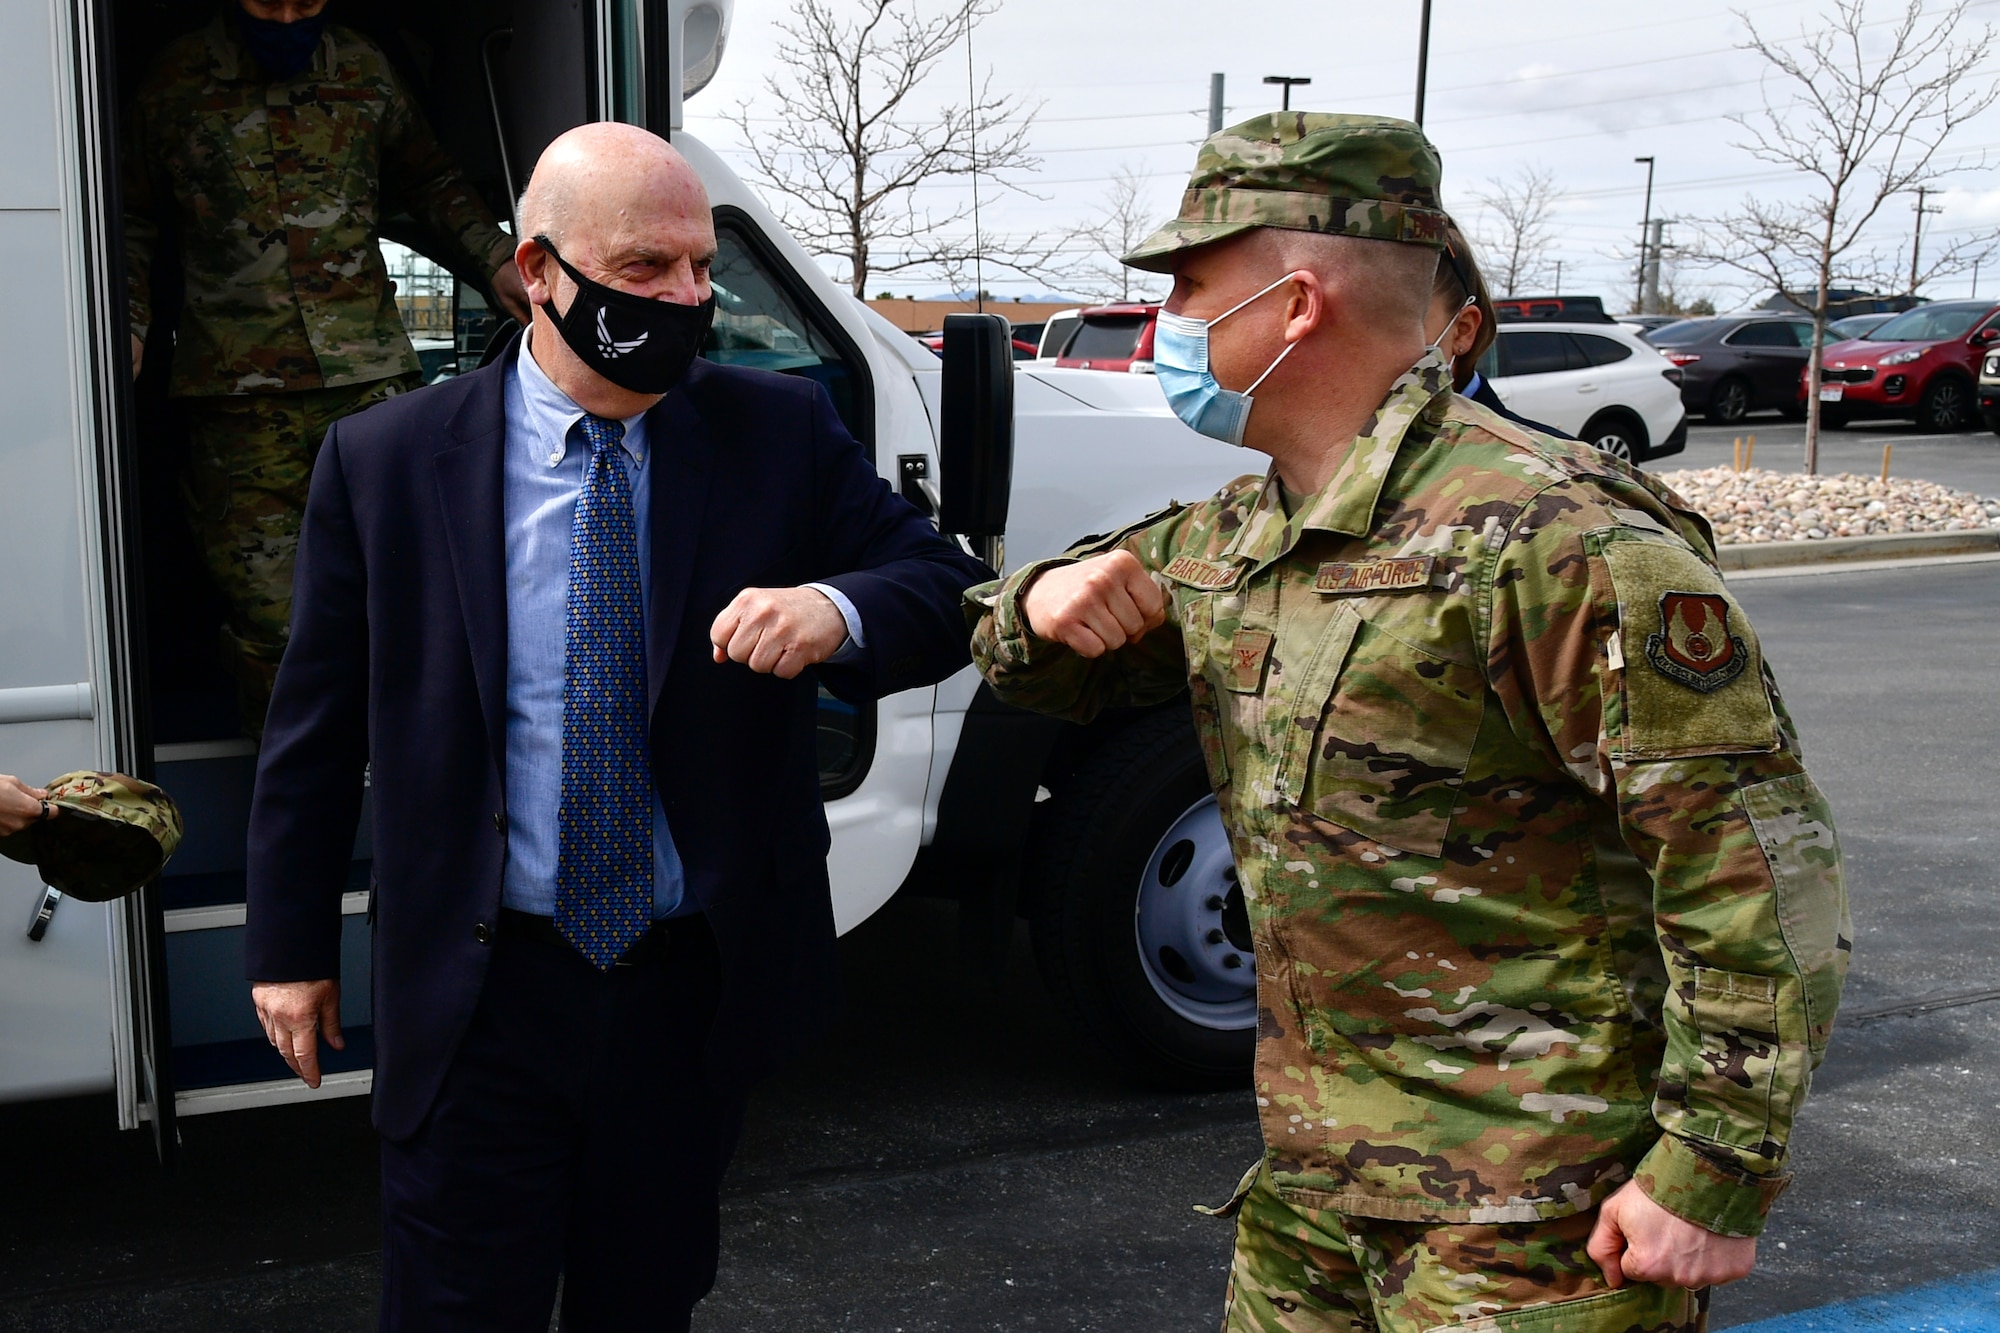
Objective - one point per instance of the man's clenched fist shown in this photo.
(1636, 1240)
(1095, 605)
(778, 630)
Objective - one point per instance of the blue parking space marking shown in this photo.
(1957, 1305)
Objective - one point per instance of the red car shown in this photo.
(1023, 350)
(1922, 365)
(1113, 337)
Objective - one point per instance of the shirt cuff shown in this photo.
(1711, 1194)
(857, 639)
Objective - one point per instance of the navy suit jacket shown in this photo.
(398, 655)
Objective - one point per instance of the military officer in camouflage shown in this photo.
(1549, 919)
(275, 142)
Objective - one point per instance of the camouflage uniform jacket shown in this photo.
(1541, 894)
(278, 190)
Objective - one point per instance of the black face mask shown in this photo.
(283, 49)
(636, 343)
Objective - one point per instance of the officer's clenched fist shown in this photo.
(1095, 605)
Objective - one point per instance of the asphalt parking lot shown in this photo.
(956, 1159)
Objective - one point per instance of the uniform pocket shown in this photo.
(1395, 730)
(1637, 1308)
(1725, 1054)
(1794, 828)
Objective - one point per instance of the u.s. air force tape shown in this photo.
(1400, 574)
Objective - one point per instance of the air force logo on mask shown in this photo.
(610, 346)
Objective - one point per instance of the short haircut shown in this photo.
(1384, 283)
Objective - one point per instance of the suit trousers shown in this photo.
(576, 1136)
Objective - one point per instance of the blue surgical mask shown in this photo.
(1180, 361)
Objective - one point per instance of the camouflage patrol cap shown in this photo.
(112, 838)
(1369, 176)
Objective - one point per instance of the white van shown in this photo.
(1102, 835)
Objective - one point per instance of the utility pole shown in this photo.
(1645, 225)
(1659, 236)
(1917, 240)
(1287, 80)
(1559, 279)
(1214, 103)
(1423, 60)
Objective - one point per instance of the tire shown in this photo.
(1730, 401)
(1617, 433)
(1136, 913)
(1947, 405)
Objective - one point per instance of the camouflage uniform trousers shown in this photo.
(250, 463)
(1303, 1270)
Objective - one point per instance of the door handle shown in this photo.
(38, 926)
(1586, 388)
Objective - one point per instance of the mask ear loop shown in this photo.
(1288, 346)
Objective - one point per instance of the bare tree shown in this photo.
(840, 146)
(1863, 116)
(1125, 218)
(1521, 233)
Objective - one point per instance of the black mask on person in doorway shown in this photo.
(636, 343)
(282, 49)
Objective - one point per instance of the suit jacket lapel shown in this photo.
(683, 456)
(472, 491)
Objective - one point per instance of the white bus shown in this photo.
(1102, 835)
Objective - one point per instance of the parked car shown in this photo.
(1113, 337)
(1923, 365)
(1737, 364)
(1989, 391)
(1056, 332)
(1597, 382)
(1645, 324)
(1573, 309)
(1856, 326)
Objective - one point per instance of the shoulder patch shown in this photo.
(1685, 657)
(1694, 645)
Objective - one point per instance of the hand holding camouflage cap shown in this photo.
(94, 836)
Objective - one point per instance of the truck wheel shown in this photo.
(1138, 921)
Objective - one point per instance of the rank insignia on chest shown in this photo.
(1694, 645)
(1401, 574)
(1199, 573)
(1247, 652)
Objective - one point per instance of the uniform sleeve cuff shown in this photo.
(1707, 1192)
(1014, 644)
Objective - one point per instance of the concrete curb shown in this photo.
(1846, 550)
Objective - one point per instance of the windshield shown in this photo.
(1930, 323)
(1106, 338)
(1674, 335)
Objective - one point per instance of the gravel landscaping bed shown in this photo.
(1760, 506)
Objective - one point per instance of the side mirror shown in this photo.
(1986, 335)
(976, 433)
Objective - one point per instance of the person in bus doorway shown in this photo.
(1462, 323)
(271, 143)
(529, 597)
(1549, 918)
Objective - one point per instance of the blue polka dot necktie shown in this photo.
(604, 865)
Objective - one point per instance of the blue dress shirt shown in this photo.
(546, 460)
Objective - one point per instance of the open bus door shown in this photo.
(499, 79)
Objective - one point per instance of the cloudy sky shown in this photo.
(1575, 88)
